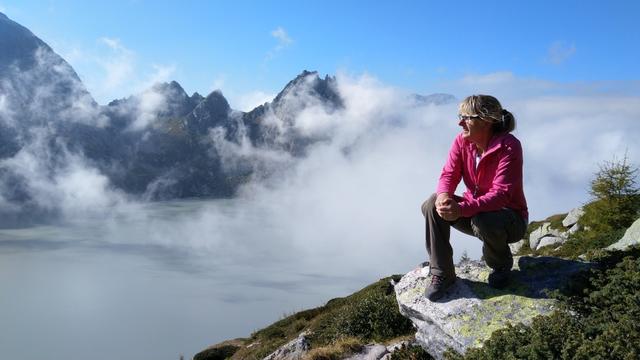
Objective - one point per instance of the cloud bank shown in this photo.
(352, 204)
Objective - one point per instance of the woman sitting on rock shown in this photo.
(489, 161)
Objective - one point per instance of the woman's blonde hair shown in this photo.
(489, 109)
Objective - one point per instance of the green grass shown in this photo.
(368, 315)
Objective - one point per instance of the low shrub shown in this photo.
(217, 353)
(598, 320)
(370, 315)
(411, 352)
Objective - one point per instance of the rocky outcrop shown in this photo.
(572, 217)
(293, 350)
(630, 238)
(471, 310)
(552, 240)
(543, 232)
(548, 234)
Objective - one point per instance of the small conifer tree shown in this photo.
(616, 197)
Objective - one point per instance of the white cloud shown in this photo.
(112, 70)
(119, 66)
(72, 187)
(559, 52)
(352, 204)
(251, 100)
(359, 192)
(218, 83)
(5, 112)
(284, 40)
(281, 35)
(149, 104)
(161, 73)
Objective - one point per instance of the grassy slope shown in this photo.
(341, 326)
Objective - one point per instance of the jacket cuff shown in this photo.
(467, 210)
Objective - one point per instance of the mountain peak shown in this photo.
(211, 111)
(308, 85)
(172, 88)
(31, 71)
(216, 94)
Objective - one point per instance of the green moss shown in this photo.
(597, 319)
(497, 312)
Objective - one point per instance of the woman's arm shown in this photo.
(452, 171)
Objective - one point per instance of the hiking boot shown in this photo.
(438, 287)
(499, 278)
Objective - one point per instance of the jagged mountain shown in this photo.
(158, 144)
(272, 124)
(37, 85)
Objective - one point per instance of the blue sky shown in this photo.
(251, 49)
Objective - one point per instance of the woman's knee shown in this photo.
(487, 224)
(429, 204)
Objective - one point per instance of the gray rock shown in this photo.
(293, 350)
(575, 228)
(631, 237)
(551, 240)
(515, 247)
(573, 216)
(370, 352)
(471, 310)
(539, 233)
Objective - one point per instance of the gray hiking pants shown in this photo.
(496, 229)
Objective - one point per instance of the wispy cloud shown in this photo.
(283, 38)
(111, 69)
(559, 52)
(161, 73)
(218, 83)
(119, 66)
(379, 143)
(250, 100)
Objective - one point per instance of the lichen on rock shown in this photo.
(471, 310)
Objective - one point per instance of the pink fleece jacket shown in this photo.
(495, 184)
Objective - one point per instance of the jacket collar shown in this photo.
(494, 144)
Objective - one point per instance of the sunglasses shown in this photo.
(468, 118)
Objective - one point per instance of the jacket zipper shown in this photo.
(477, 172)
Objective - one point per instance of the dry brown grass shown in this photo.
(337, 350)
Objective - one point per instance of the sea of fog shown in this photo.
(160, 280)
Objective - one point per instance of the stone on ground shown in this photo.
(471, 310)
(630, 238)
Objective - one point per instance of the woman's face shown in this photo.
(475, 129)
